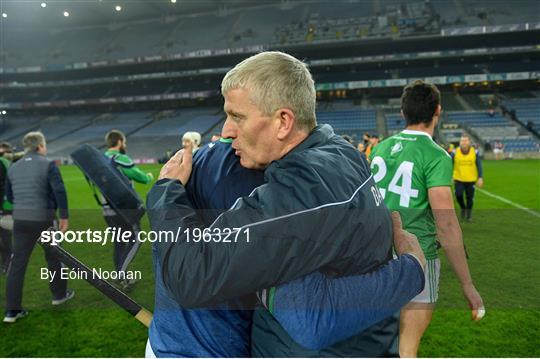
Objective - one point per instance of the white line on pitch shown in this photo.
(502, 199)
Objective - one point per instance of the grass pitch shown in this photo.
(503, 243)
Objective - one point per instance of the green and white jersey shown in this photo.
(126, 165)
(405, 166)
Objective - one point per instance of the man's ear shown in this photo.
(286, 122)
(438, 111)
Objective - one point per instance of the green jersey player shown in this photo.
(124, 252)
(414, 176)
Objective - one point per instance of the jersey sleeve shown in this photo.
(479, 165)
(438, 171)
(130, 170)
(318, 312)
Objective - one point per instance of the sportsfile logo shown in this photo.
(118, 235)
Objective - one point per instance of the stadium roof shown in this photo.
(43, 13)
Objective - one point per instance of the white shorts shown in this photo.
(149, 353)
(430, 294)
(497, 150)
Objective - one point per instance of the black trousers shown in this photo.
(468, 189)
(25, 236)
(123, 252)
(6, 248)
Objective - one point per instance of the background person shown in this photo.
(414, 175)
(35, 187)
(123, 252)
(467, 172)
(191, 139)
(365, 139)
(498, 149)
(373, 141)
(5, 209)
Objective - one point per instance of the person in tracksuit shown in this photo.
(35, 187)
(123, 252)
(318, 211)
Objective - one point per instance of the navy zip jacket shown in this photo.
(173, 203)
(223, 330)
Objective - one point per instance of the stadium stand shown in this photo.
(14, 128)
(490, 128)
(299, 22)
(527, 111)
(487, 128)
(394, 123)
(477, 118)
(165, 133)
(352, 122)
(94, 132)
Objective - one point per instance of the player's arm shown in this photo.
(131, 171)
(56, 185)
(8, 190)
(480, 182)
(317, 311)
(450, 236)
(3, 177)
(58, 189)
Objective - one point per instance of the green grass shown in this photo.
(503, 243)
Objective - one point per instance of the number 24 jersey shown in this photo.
(405, 166)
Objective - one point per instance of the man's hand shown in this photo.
(405, 242)
(480, 182)
(63, 225)
(475, 301)
(179, 166)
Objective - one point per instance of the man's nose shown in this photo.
(229, 129)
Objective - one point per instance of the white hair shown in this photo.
(194, 137)
(276, 80)
(32, 140)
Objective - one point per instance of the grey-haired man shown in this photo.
(35, 187)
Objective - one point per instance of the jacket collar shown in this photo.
(319, 135)
(33, 154)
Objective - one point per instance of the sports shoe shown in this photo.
(70, 293)
(13, 315)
